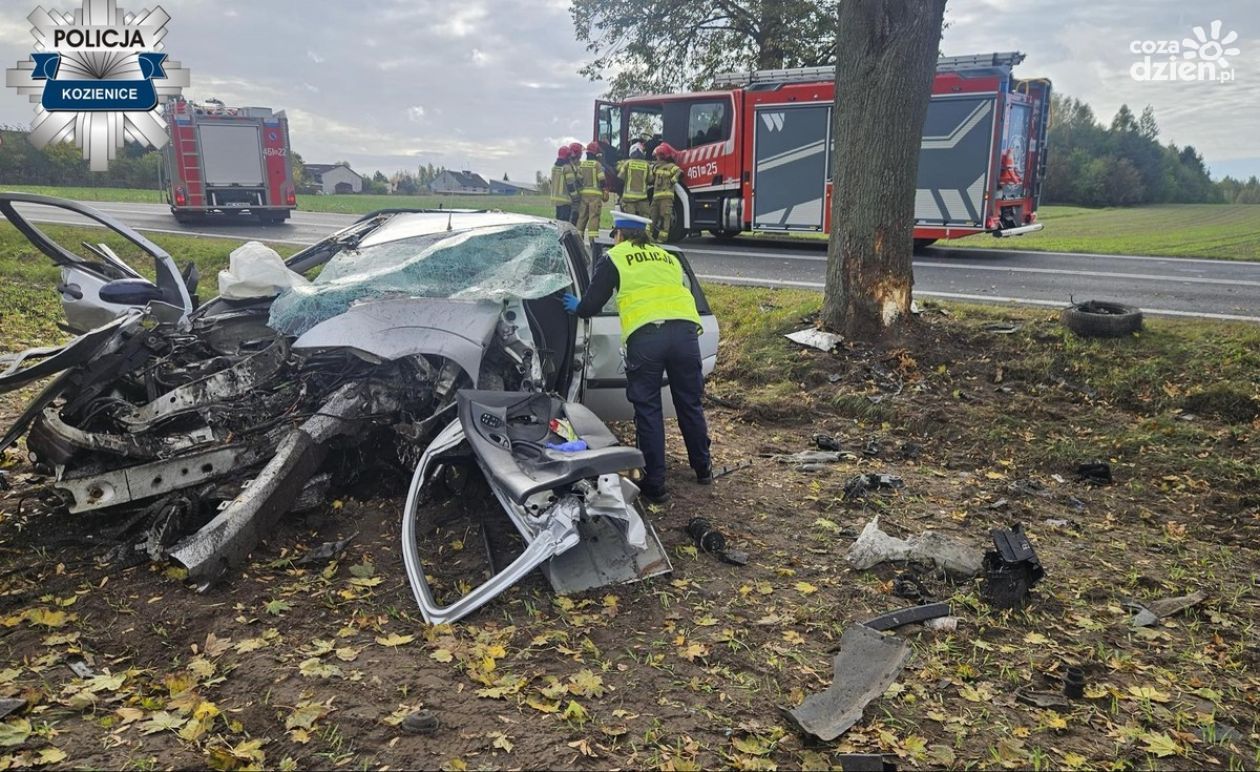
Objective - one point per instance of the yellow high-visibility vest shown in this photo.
(590, 178)
(634, 173)
(652, 287)
(562, 178)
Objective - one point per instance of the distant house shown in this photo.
(335, 178)
(464, 182)
(512, 188)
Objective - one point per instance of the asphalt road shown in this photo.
(1214, 289)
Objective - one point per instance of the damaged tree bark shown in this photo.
(886, 60)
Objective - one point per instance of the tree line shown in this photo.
(1123, 164)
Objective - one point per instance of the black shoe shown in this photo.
(704, 476)
(660, 496)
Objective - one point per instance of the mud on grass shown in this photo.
(314, 666)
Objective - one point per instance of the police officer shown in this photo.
(592, 192)
(575, 199)
(664, 174)
(563, 185)
(634, 173)
(660, 329)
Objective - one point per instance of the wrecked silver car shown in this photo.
(403, 341)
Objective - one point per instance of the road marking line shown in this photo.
(998, 251)
(1204, 260)
(1020, 269)
(1102, 274)
(233, 236)
(965, 296)
(1014, 269)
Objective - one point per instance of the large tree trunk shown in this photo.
(770, 40)
(886, 59)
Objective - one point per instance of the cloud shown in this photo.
(500, 89)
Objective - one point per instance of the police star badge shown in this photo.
(97, 78)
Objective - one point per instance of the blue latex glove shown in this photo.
(570, 302)
(572, 446)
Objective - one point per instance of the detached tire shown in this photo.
(1100, 319)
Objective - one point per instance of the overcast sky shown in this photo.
(493, 86)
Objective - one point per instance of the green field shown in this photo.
(1222, 231)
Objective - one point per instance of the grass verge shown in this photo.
(290, 665)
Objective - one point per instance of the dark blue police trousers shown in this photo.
(653, 351)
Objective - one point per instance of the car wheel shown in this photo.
(1101, 319)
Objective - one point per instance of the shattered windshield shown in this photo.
(522, 261)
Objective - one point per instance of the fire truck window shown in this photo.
(609, 125)
(646, 126)
(706, 122)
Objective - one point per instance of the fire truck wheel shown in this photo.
(722, 235)
(184, 218)
(1100, 319)
(923, 243)
(676, 231)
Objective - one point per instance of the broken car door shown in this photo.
(97, 283)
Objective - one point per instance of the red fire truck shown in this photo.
(222, 160)
(756, 150)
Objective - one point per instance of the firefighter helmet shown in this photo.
(575, 148)
(636, 150)
(563, 153)
(593, 147)
(663, 150)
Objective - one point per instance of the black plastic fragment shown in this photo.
(865, 762)
(1011, 568)
(907, 616)
(826, 442)
(1095, 473)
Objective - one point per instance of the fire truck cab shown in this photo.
(756, 152)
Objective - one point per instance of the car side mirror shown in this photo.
(130, 292)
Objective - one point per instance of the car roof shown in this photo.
(406, 225)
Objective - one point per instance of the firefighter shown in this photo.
(563, 185)
(660, 333)
(575, 199)
(592, 192)
(634, 173)
(664, 174)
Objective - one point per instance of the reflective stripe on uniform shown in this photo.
(634, 173)
(665, 175)
(651, 287)
(590, 178)
(561, 174)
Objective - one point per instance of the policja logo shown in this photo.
(93, 78)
